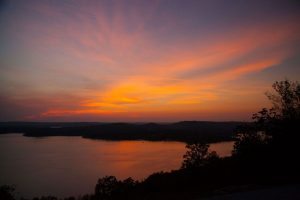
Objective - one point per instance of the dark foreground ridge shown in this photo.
(186, 131)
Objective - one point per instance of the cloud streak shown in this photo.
(109, 59)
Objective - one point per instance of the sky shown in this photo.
(134, 60)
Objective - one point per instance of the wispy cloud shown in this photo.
(112, 59)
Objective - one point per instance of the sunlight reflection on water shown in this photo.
(64, 166)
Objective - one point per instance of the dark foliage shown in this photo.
(275, 131)
(197, 155)
(109, 187)
(7, 192)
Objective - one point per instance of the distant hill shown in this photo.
(186, 131)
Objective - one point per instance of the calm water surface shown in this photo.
(64, 166)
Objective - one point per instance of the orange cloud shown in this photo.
(65, 112)
(238, 71)
(141, 75)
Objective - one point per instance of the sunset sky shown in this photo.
(148, 60)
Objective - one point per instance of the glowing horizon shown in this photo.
(144, 60)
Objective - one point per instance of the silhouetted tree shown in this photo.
(7, 192)
(198, 155)
(277, 127)
(109, 187)
(105, 187)
(285, 111)
(250, 143)
(286, 100)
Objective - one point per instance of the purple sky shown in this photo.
(144, 60)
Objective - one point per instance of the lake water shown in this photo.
(65, 166)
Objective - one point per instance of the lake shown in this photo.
(70, 166)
